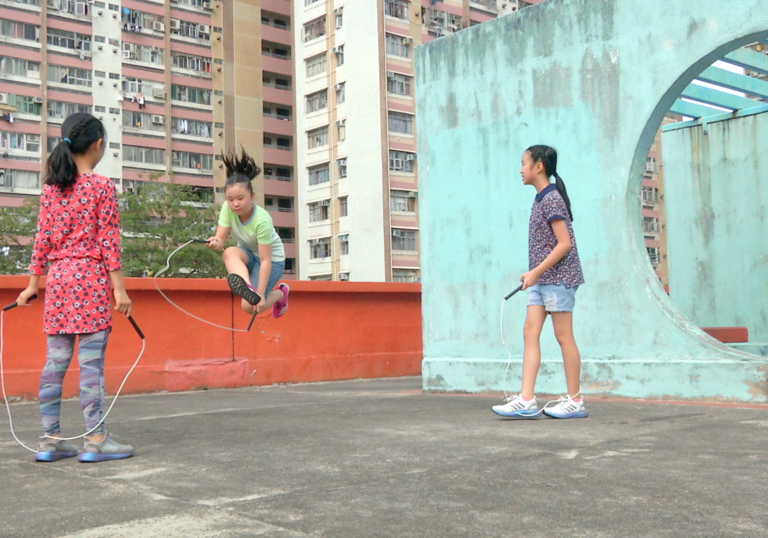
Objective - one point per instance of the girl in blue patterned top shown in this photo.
(554, 274)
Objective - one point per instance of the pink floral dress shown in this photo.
(78, 235)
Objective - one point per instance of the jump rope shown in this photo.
(507, 397)
(141, 353)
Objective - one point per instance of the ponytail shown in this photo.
(564, 193)
(79, 132)
(241, 169)
(548, 157)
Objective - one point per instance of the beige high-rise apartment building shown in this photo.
(357, 169)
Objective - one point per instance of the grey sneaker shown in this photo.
(107, 449)
(52, 449)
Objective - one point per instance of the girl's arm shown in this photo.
(122, 301)
(217, 241)
(40, 250)
(265, 257)
(558, 253)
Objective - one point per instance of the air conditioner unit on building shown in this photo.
(203, 29)
(342, 162)
(3, 97)
(390, 74)
(159, 92)
(338, 87)
(128, 55)
(410, 157)
(407, 40)
(337, 50)
(175, 24)
(396, 233)
(338, 10)
(39, 100)
(207, 5)
(158, 119)
(344, 277)
(413, 194)
(158, 26)
(341, 122)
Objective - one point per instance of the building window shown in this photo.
(339, 54)
(343, 212)
(405, 275)
(341, 130)
(341, 90)
(190, 95)
(114, 110)
(191, 127)
(68, 40)
(20, 141)
(197, 161)
(317, 101)
(60, 109)
(653, 254)
(193, 63)
(314, 29)
(20, 30)
(399, 161)
(143, 155)
(24, 104)
(19, 67)
(650, 196)
(404, 240)
(317, 138)
(396, 8)
(140, 120)
(342, 167)
(399, 46)
(651, 225)
(19, 179)
(316, 65)
(400, 123)
(400, 201)
(320, 248)
(319, 174)
(319, 211)
(52, 142)
(69, 75)
(399, 84)
(343, 245)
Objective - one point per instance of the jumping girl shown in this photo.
(554, 274)
(257, 262)
(78, 236)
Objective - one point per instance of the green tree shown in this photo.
(17, 232)
(157, 219)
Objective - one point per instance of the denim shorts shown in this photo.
(254, 264)
(553, 297)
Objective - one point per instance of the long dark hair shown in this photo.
(241, 169)
(548, 157)
(78, 132)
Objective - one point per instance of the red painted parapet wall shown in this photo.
(332, 331)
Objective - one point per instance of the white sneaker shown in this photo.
(516, 407)
(566, 408)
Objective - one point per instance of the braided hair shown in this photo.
(548, 157)
(241, 169)
(79, 131)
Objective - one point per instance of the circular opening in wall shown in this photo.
(700, 175)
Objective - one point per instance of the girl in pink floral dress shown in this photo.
(78, 242)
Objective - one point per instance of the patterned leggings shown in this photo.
(90, 355)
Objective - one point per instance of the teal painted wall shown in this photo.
(716, 193)
(594, 79)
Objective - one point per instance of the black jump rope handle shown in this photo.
(14, 305)
(136, 326)
(514, 291)
(203, 241)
